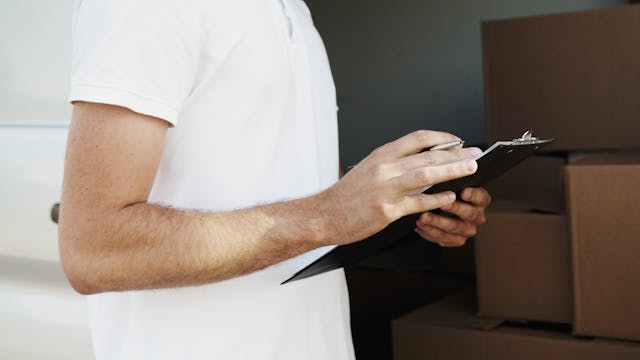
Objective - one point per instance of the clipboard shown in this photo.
(493, 162)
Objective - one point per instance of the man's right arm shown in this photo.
(112, 239)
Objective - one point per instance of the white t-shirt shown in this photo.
(248, 88)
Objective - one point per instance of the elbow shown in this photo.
(78, 268)
(81, 285)
(78, 274)
(79, 279)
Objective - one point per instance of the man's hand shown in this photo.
(381, 188)
(454, 231)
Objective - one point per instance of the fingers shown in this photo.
(422, 202)
(416, 142)
(467, 212)
(449, 225)
(448, 231)
(426, 176)
(476, 196)
(440, 237)
(434, 158)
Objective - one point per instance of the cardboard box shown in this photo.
(574, 77)
(523, 265)
(604, 207)
(539, 180)
(448, 330)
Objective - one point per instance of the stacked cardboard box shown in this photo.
(603, 191)
(573, 77)
(524, 266)
(523, 252)
(561, 247)
(449, 330)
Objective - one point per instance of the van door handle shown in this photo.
(55, 211)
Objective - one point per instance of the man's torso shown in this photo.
(257, 124)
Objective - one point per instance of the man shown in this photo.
(202, 170)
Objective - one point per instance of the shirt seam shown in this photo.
(111, 87)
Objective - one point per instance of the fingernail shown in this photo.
(426, 218)
(466, 194)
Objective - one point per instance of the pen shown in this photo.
(446, 146)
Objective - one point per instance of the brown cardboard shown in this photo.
(446, 331)
(574, 77)
(604, 205)
(538, 179)
(523, 265)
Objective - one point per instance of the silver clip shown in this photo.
(526, 138)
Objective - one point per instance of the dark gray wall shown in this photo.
(401, 65)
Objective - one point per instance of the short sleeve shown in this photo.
(139, 54)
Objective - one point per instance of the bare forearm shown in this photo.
(151, 246)
(112, 239)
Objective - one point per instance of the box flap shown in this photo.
(605, 158)
(456, 311)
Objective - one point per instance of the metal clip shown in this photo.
(526, 138)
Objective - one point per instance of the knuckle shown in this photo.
(386, 211)
(429, 158)
(422, 176)
(422, 135)
(378, 151)
(453, 207)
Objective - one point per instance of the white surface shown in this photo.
(35, 60)
(31, 165)
(41, 317)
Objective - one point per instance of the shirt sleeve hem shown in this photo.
(135, 102)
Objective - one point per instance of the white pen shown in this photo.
(446, 146)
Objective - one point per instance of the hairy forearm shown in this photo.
(151, 246)
(112, 239)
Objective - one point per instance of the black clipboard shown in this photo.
(496, 160)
